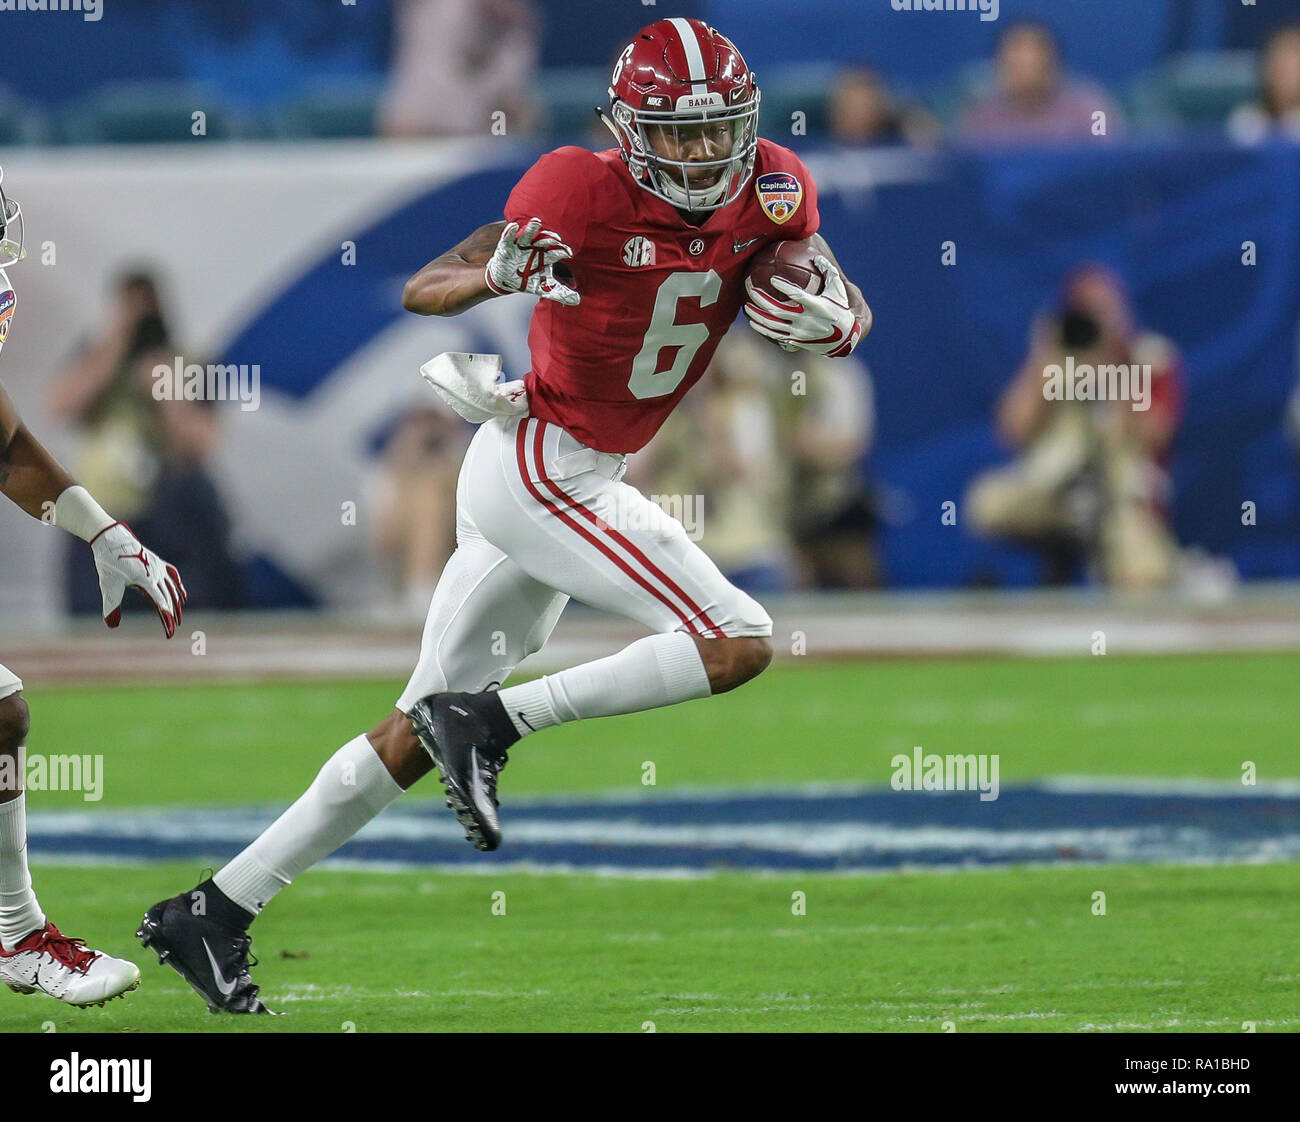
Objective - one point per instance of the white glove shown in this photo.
(122, 563)
(524, 260)
(468, 383)
(822, 324)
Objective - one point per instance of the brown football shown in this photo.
(792, 261)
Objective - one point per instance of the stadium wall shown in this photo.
(251, 244)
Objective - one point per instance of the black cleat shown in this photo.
(211, 956)
(466, 735)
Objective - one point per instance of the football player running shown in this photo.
(639, 255)
(35, 956)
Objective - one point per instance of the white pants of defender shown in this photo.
(10, 683)
(540, 518)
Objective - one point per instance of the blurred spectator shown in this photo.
(826, 417)
(1035, 100)
(185, 513)
(863, 113)
(717, 464)
(145, 459)
(414, 529)
(101, 391)
(1277, 112)
(773, 442)
(456, 63)
(1090, 480)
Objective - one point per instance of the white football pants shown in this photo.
(540, 518)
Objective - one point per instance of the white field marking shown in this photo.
(898, 929)
(991, 1016)
(238, 825)
(839, 839)
(1125, 983)
(88, 859)
(232, 823)
(313, 991)
(989, 991)
(1164, 983)
(830, 1004)
(1190, 785)
(822, 1006)
(308, 987)
(809, 840)
(929, 1005)
(827, 839)
(728, 1009)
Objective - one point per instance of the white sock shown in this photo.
(20, 914)
(658, 670)
(351, 789)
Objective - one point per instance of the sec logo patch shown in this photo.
(638, 252)
(779, 194)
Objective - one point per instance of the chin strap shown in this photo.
(613, 128)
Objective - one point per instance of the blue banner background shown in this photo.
(948, 338)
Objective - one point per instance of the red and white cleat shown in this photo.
(48, 961)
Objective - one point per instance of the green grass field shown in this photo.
(1181, 948)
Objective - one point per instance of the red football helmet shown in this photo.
(685, 109)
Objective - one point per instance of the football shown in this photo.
(793, 261)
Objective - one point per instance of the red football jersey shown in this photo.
(658, 294)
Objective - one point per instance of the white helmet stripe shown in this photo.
(694, 56)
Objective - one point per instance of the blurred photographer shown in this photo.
(146, 457)
(104, 390)
(1092, 414)
(414, 528)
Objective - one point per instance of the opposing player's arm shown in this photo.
(33, 479)
(29, 475)
(857, 302)
(457, 280)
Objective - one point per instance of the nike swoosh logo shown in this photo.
(739, 247)
(226, 988)
(526, 721)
